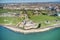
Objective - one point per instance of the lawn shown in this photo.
(10, 20)
(43, 18)
(38, 19)
(35, 18)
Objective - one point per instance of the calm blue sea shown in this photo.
(6, 34)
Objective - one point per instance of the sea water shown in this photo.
(6, 34)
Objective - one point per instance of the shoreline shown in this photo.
(15, 29)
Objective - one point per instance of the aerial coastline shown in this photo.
(31, 30)
(30, 17)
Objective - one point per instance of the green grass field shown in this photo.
(38, 19)
(42, 18)
(35, 18)
(8, 20)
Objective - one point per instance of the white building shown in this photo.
(42, 8)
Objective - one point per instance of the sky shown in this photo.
(21, 1)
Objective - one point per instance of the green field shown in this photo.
(13, 20)
(35, 18)
(38, 19)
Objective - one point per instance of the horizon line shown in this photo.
(34, 2)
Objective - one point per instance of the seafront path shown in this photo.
(16, 29)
